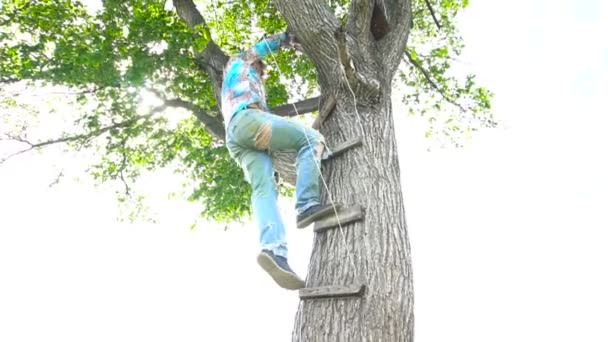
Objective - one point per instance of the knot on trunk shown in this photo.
(364, 84)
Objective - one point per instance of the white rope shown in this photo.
(360, 126)
(318, 165)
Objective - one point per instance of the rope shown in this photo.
(318, 165)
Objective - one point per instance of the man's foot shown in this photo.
(279, 270)
(313, 213)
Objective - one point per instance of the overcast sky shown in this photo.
(508, 234)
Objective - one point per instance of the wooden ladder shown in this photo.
(343, 215)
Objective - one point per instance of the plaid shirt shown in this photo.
(242, 84)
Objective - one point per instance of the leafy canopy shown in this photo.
(118, 57)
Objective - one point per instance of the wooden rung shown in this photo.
(345, 215)
(293, 109)
(326, 109)
(345, 146)
(332, 291)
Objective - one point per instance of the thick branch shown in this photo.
(314, 24)
(186, 9)
(359, 20)
(430, 80)
(398, 14)
(214, 124)
(361, 67)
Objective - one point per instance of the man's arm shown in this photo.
(266, 46)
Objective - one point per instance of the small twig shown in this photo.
(122, 169)
(3, 160)
(16, 138)
(447, 57)
(57, 179)
(429, 79)
(82, 92)
(428, 5)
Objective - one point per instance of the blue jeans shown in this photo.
(250, 136)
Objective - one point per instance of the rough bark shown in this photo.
(374, 251)
(359, 62)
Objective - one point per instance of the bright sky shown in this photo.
(508, 235)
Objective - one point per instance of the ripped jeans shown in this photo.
(251, 135)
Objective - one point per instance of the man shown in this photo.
(251, 134)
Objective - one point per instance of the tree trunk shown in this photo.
(374, 251)
(356, 61)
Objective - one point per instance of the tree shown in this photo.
(129, 50)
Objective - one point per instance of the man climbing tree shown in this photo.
(354, 51)
(251, 134)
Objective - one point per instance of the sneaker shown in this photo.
(278, 268)
(313, 213)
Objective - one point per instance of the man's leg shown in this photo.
(257, 166)
(279, 134)
(258, 170)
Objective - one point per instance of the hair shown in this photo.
(260, 67)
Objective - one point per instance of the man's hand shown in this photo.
(292, 40)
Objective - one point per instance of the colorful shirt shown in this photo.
(242, 84)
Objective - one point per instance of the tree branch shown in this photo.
(301, 107)
(186, 9)
(123, 166)
(214, 124)
(398, 14)
(314, 24)
(430, 80)
(428, 5)
(67, 139)
(82, 92)
(56, 180)
(359, 19)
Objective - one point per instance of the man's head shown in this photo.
(259, 67)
